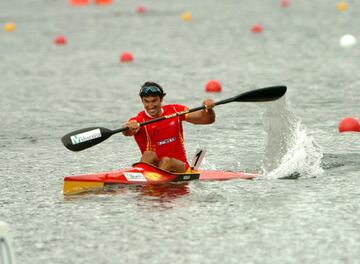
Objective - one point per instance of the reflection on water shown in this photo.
(161, 195)
(163, 192)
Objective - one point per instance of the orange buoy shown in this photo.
(126, 57)
(256, 28)
(349, 124)
(140, 9)
(60, 40)
(186, 16)
(103, 2)
(78, 2)
(213, 86)
(342, 6)
(9, 27)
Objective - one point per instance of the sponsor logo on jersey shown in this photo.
(166, 141)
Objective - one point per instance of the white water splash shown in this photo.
(289, 151)
(206, 165)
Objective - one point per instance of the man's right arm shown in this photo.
(133, 126)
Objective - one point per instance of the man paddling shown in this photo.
(162, 143)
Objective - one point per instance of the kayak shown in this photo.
(143, 174)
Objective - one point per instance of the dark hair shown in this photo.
(151, 88)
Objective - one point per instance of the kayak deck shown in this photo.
(141, 174)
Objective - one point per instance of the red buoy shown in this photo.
(349, 124)
(103, 2)
(78, 2)
(140, 9)
(284, 3)
(256, 28)
(60, 40)
(213, 86)
(126, 57)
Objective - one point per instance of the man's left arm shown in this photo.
(203, 117)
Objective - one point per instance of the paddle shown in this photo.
(87, 137)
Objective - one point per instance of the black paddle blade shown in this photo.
(263, 95)
(85, 138)
(259, 95)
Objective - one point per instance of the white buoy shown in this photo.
(347, 40)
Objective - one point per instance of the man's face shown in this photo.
(152, 105)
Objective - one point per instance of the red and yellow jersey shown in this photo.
(165, 137)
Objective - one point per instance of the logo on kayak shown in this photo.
(186, 177)
(86, 136)
(166, 141)
(134, 176)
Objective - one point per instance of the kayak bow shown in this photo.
(142, 174)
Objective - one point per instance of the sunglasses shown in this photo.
(147, 90)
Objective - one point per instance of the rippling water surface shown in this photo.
(48, 91)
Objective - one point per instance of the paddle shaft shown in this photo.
(88, 137)
(244, 97)
(162, 118)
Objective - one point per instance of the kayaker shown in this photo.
(162, 143)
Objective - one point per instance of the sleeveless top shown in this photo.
(164, 137)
